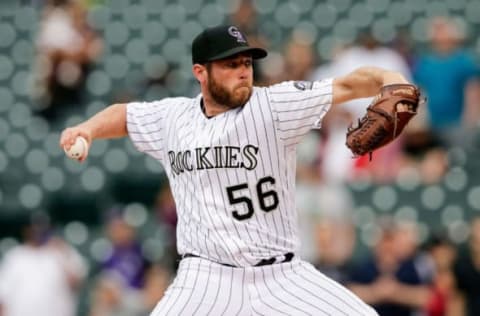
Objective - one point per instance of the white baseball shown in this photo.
(78, 149)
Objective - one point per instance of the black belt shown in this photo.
(288, 257)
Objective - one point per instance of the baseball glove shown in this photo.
(385, 119)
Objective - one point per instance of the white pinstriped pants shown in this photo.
(203, 287)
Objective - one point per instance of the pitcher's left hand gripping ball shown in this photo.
(386, 117)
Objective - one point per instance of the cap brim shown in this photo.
(257, 53)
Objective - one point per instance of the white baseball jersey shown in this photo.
(233, 180)
(233, 175)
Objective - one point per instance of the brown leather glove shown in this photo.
(385, 119)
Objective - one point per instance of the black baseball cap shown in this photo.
(221, 42)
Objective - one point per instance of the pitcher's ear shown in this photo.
(200, 72)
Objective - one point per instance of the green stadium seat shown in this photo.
(265, 7)
(7, 100)
(26, 18)
(473, 198)
(308, 30)
(385, 198)
(20, 115)
(191, 6)
(6, 67)
(287, 15)
(137, 50)
(53, 179)
(399, 14)
(153, 249)
(154, 32)
(153, 166)
(406, 213)
(451, 213)
(432, 197)
(36, 161)
(51, 144)
(4, 162)
(8, 243)
(378, 6)
(174, 48)
(99, 84)
(115, 160)
(408, 179)
(211, 15)
(118, 6)
(131, 149)
(16, 145)
(383, 30)
(4, 129)
(38, 129)
(363, 215)
(135, 16)
(23, 52)
(76, 233)
(344, 32)
(8, 34)
(173, 16)
(99, 17)
(93, 179)
(136, 215)
(456, 5)
(30, 196)
(116, 33)
(472, 12)
(100, 249)
(418, 29)
(116, 67)
(155, 67)
(154, 6)
(341, 5)
(20, 83)
(324, 15)
(458, 232)
(456, 179)
(305, 6)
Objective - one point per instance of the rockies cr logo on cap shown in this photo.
(232, 30)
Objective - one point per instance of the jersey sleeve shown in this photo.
(299, 106)
(146, 126)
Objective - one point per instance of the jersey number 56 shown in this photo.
(268, 200)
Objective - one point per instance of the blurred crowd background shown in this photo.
(98, 238)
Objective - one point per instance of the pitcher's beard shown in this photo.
(240, 95)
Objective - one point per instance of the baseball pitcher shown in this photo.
(229, 154)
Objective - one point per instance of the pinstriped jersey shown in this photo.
(233, 175)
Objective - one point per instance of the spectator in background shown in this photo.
(299, 57)
(67, 48)
(122, 273)
(337, 164)
(127, 285)
(444, 299)
(467, 272)
(111, 298)
(126, 258)
(444, 74)
(335, 240)
(42, 275)
(325, 214)
(389, 281)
